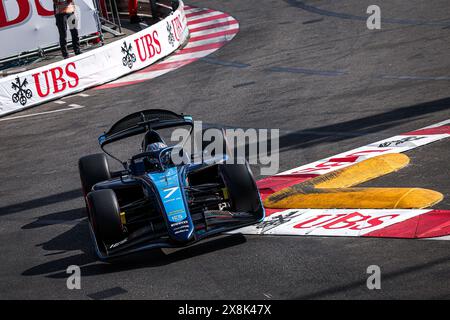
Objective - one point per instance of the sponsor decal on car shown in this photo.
(171, 196)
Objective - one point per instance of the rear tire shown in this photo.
(105, 215)
(93, 169)
(241, 187)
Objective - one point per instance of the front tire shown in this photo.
(242, 187)
(93, 169)
(105, 215)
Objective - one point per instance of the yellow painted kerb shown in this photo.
(358, 198)
(332, 190)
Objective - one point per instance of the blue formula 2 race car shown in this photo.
(157, 203)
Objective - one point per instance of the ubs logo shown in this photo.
(170, 37)
(22, 94)
(129, 57)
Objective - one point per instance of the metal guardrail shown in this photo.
(109, 16)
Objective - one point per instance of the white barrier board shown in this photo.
(32, 24)
(95, 67)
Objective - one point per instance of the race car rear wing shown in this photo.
(142, 121)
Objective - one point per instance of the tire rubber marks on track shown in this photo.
(308, 71)
(108, 293)
(210, 30)
(323, 12)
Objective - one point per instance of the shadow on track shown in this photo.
(370, 124)
(40, 202)
(90, 266)
(63, 217)
(295, 140)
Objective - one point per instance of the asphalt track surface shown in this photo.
(315, 72)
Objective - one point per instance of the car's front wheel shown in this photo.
(242, 187)
(93, 169)
(105, 215)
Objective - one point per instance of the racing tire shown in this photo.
(93, 169)
(242, 187)
(105, 215)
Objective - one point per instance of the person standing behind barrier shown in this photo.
(133, 10)
(64, 12)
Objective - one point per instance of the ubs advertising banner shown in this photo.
(94, 67)
(27, 25)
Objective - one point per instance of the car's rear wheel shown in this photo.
(241, 186)
(93, 169)
(105, 215)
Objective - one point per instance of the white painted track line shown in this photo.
(71, 107)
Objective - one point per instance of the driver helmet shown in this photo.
(156, 146)
(151, 161)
